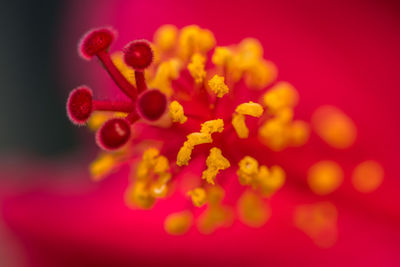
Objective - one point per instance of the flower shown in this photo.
(243, 245)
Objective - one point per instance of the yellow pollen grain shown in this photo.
(239, 124)
(222, 56)
(198, 196)
(324, 177)
(137, 195)
(96, 120)
(166, 72)
(101, 166)
(252, 210)
(250, 109)
(248, 170)
(282, 95)
(215, 162)
(367, 176)
(218, 86)
(269, 181)
(334, 127)
(197, 68)
(260, 74)
(319, 222)
(299, 133)
(178, 223)
(165, 37)
(176, 112)
(193, 39)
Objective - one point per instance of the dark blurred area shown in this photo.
(32, 113)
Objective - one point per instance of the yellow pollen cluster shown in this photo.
(165, 37)
(238, 118)
(325, 177)
(118, 60)
(146, 188)
(267, 181)
(178, 223)
(101, 166)
(215, 162)
(193, 39)
(218, 86)
(280, 130)
(197, 68)
(252, 210)
(166, 72)
(176, 112)
(216, 215)
(193, 139)
(198, 196)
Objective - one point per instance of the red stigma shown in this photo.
(151, 104)
(79, 105)
(96, 41)
(113, 134)
(138, 54)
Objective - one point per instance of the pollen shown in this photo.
(218, 86)
(222, 56)
(198, 196)
(165, 37)
(367, 176)
(238, 118)
(176, 112)
(248, 170)
(282, 95)
(102, 166)
(252, 210)
(325, 177)
(197, 68)
(215, 162)
(178, 223)
(334, 127)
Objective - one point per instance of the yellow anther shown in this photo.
(159, 189)
(260, 74)
(238, 119)
(212, 126)
(367, 176)
(218, 85)
(215, 195)
(248, 170)
(285, 115)
(197, 68)
(165, 37)
(192, 40)
(166, 72)
(214, 217)
(334, 127)
(178, 223)
(270, 181)
(161, 165)
(252, 210)
(138, 195)
(101, 166)
(198, 196)
(222, 56)
(251, 109)
(129, 73)
(325, 177)
(282, 95)
(239, 124)
(199, 138)
(96, 120)
(299, 133)
(184, 154)
(215, 162)
(274, 134)
(251, 48)
(319, 222)
(176, 112)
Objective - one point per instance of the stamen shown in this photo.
(215, 162)
(176, 112)
(238, 119)
(97, 43)
(197, 68)
(325, 177)
(252, 210)
(178, 223)
(218, 85)
(198, 196)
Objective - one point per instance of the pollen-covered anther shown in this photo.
(197, 68)
(165, 37)
(138, 54)
(79, 105)
(282, 95)
(238, 118)
(248, 170)
(198, 196)
(215, 162)
(101, 166)
(176, 112)
(151, 104)
(197, 138)
(95, 41)
(268, 181)
(178, 223)
(218, 86)
(113, 134)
